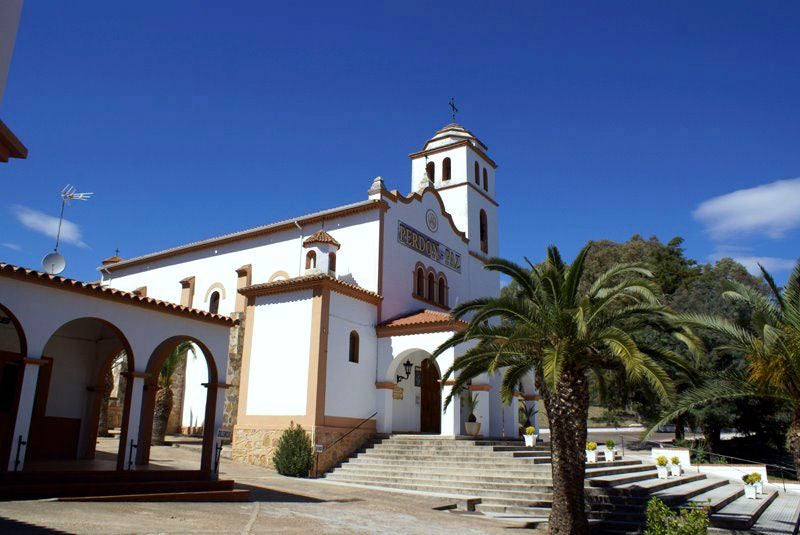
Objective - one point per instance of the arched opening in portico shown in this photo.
(71, 390)
(417, 396)
(13, 350)
(154, 406)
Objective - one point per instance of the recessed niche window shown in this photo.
(484, 232)
(311, 260)
(430, 170)
(431, 287)
(446, 169)
(353, 353)
(420, 289)
(213, 303)
(477, 173)
(442, 291)
(332, 262)
(485, 180)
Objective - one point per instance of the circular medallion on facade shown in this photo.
(432, 221)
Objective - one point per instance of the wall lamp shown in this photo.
(407, 365)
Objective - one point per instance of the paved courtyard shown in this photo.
(284, 505)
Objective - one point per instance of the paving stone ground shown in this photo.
(280, 505)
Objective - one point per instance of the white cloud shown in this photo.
(750, 261)
(48, 225)
(771, 209)
(12, 246)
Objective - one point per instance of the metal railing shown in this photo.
(782, 470)
(329, 446)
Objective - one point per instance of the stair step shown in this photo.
(539, 512)
(620, 479)
(780, 516)
(651, 486)
(620, 469)
(716, 499)
(500, 476)
(742, 513)
(681, 493)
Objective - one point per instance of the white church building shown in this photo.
(340, 310)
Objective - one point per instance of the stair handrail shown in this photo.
(362, 422)
(781, 468)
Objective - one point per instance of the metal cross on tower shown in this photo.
(453, 109)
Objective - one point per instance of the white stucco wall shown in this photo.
(350, 387)
(194, 400)
(279, 356)
(356, 262)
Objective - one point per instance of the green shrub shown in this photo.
(675, 460)
(610, 444)
(294, 455)
(662, 521)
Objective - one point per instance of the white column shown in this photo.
(136, 380)
(22, 426)
(383, 404)
(451, 418)
(484, 410)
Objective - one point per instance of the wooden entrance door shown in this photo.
(11, 368)
(430, 419)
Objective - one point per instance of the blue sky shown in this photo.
(192, 119)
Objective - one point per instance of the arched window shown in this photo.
(430, 170)
(477, 173)
(332, 262)
(446, 169)
(485, 180)
(442, 291)
(353, 354)
(213, 303)
(431, 287)
(420, 282)
(311, 260)
(484, 232)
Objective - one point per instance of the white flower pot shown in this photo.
(530, 440)
(591, 456)
(610, 455)
(750, 492)
(472, 428)
(675, 469)
(759, 488)
(663, 472)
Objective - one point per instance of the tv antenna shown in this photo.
(54, 263)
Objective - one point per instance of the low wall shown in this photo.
(257, 446)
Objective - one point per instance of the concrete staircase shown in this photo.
(503, 478)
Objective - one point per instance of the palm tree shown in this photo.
(164, 398)
(565, 329)
(770, 345)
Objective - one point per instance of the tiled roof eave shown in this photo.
(102, 292)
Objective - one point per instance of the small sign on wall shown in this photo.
(397, 393)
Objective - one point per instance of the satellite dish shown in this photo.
(54, 263)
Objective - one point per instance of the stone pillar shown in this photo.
(175, 420)
(233, 374)
(22, 427)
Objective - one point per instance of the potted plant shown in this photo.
(610, 453)
(472, 426)
(591, 452)
(749, 486)
(675, 466)
(756, 477)
(530, 437)
(661, 467)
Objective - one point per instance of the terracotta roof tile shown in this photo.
(321, 236)
(95, 289)
(421, 321)
(306, 281)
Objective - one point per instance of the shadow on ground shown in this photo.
(8, 525)
(262, 494)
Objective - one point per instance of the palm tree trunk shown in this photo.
(793, 438)
(568, 409)
(163, 408)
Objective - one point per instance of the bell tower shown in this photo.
(455, 162)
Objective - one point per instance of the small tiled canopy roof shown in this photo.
(113, 259)
(309, 281)
(320, 236)
(97, 290)
(421, 321)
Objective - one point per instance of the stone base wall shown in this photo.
(233, 373)
(257, 446)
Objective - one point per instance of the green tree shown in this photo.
(164, 398)
(564, 328)
(770, 343)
